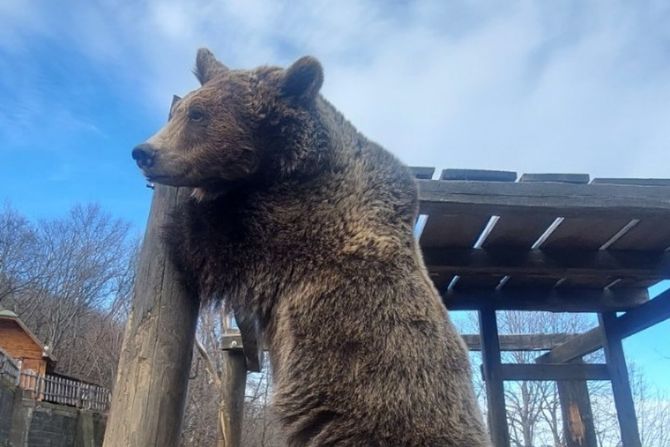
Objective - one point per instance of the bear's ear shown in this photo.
(206, 66)
(303, 79)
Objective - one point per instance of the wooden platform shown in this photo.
(543, 241)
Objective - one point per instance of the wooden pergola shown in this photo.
(491, 241)
(551, 242)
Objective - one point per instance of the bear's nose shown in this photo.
(144, 155)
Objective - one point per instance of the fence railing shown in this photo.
(62, 390)
(9, 368)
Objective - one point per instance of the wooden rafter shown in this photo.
(510, 261)
(551, 299)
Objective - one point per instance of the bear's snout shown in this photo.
(144, 154)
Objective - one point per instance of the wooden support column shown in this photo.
(578, 427)
(616, 363)
(234, 385)
(551, 372)
(495, 390)
(152, 377)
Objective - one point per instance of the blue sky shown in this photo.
(570, 86)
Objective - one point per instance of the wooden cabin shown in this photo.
(23, 346)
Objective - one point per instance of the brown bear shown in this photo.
(302, 224)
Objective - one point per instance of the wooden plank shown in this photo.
(578, 427)
(577, 264)
(517, 231)
(635, 320)
(232, 400)
(521, 342)
(633, 181)
(552, 372)
(634, 283)
(152, 377)
(649, 314)
(554, 199)
(586, 343)
(478, 174)
(583, 234)
(554, 300)
(495, 390)
(587, 281)
(556, 178)
(532, 282)
(483, 281)
(231, 341)
(616, 364)
(649, 235)
(421, 172)
(460, 231)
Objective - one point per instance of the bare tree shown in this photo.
(652, 408)
(69, 279)
(204, 410)
(18, 245)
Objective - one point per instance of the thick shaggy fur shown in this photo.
(304, 225)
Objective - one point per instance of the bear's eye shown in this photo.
(196, 115)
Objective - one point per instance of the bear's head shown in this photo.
(237, 126)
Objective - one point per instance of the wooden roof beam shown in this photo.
(645, 316)
(530, 371)
(622, 264)
(632, 322)
(521, 342)
(586, 343)
(553, 300)
(555, 199)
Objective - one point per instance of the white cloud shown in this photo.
(528, 86)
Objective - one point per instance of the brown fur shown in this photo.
(303, 224)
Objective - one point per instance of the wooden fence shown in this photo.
(9, 368)
(61, 390)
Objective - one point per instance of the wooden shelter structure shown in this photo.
(491, 241)
(21, 344)
(551, 242)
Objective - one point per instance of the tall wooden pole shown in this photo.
(495, 389)
(232, 398)
(616, 364)
(152, 377)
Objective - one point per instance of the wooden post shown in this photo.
(232, 399)
(152, 377)
(623, 397)
(578, 427)
(495, 390)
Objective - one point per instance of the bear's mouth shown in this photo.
(161, 179)
(169, 180)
